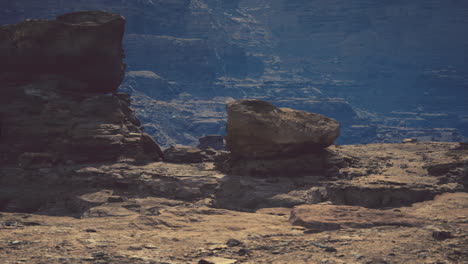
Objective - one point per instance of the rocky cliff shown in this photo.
(80, 182)
(362, 63)
(59, 102)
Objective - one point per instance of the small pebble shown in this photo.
(330, 249)
(441, 235)
(233, 242)
(244, 251)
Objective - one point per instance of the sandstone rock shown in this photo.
(332, 217)
(258, 129)
(285, 200)
(211, 43)
(441, 235)
(438, 169)
(76, 45)
(233, 243)
(216, 260)
(183, 155)
(56, 77)
(151, 147)
(295, 166)
(409, 140)
(211, 141)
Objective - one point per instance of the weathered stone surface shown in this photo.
(55, 80)
(295, 166)
(159, 228)
(398, 175)
(77, 46)
(373, 176)
(184, 155)
(151, 147)
(258, 129)
(215, 142)
(332, 217)
(216, 260)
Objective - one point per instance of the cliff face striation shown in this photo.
(59, 102)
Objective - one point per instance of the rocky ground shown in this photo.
(385, 203)
(80, 182)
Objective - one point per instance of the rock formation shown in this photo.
(215, 142)
(346, 60)
(263, 139)
(258, 129)
(184, 155)
(69, 142)
(75, 46)
(58, 81)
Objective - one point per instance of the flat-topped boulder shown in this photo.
(258, 129)
(84, 46)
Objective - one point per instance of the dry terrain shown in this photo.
(395, 203)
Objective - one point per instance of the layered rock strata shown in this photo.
(58, 80)
(331, 217)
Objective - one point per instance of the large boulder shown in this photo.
(82, 46)
(258, 129)
(58, 104)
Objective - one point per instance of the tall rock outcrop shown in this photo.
(76, 46)
(58, 81)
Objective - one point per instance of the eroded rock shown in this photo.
(184, 155)
(76, 45)
(56, 78)
(215, 142)
(258, 129)
(264, 140)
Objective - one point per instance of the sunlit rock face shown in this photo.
(59, 102)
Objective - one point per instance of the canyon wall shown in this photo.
(385, 70)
